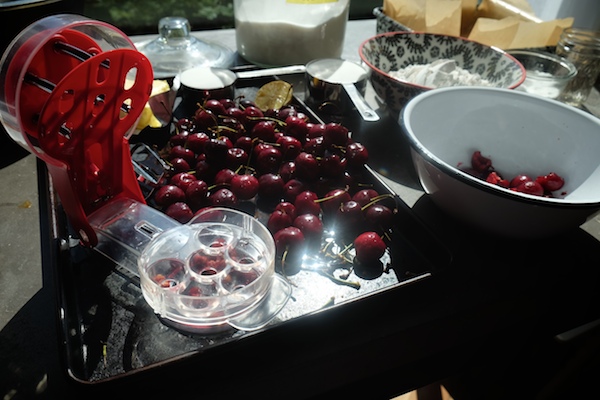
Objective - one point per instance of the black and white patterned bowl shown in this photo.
(395, 50)
(387, 24)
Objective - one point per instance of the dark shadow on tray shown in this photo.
(389, 151)
(568, 253)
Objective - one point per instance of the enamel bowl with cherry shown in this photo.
(505, 162)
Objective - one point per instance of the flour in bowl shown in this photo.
(440, 73)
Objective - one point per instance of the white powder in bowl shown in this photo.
(440, 73)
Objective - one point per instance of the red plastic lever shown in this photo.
(83, 125)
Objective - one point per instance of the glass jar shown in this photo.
(582, 48)
(285, 32)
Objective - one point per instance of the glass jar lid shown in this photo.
(176, 50)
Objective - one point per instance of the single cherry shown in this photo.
(216, 149)
(519, 179)
(236, 157)
(311, 227)
(335, 135)
(228, 103)
(179, 139)
(287, 170)
(278, 220)
(236, 112)
(223, 197)
(307, 167)
(289, 146)
(315, 146)
(268, 160)
(244, 142)
(252, 115)
(551, 182)
(306, 203)
(530, 187)
(182, 180)
(244, 186)
(204, 170)
(293, 188)
(290, 240)
(495, 179)
(182, 152)
(296, 126)
(333, 199)
(215, 106)
(379, 217)
(287, 111)
(205, 119)
(260, 146)
(169, 194)
(357, 155)
(480, 163)
(332, 166)
(288, 208)
(270, 186)
(185, 124)
(264, 130)
(196, 141)
(350, 214)
(180, 212)
(364, 196)
(224, 176)
(369, 247)
(196, 193)
(179, 164)
(316, 130)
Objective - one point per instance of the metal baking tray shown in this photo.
(109, 332)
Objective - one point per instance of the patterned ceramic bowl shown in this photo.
(393, 51)
(387, 24)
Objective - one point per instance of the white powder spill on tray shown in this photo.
(440, 73)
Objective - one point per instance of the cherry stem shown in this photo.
(263, 118)
(331, 197)
(345, 250)
(248, 170)
(211, 187)
(375, 200)
(287, 278)
(355, 285)
(219, 128)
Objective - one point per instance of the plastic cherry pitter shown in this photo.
(72, 90)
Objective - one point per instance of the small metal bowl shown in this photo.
(195, 85)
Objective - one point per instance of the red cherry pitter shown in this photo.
(73, 91)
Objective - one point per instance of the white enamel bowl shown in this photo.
(522, 134)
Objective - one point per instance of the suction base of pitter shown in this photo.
(72, 92)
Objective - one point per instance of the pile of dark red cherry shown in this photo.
(304, 175)
(542, 185)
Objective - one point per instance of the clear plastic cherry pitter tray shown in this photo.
(72, 92)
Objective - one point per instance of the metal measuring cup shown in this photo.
(339, 83)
